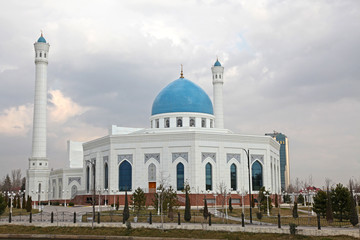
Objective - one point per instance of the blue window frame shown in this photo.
(87, 179)
(208, 178)
(257, 176)
(233, 177)
(180, 177)
(106, 176)
(125, 176)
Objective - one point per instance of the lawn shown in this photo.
(143, 232)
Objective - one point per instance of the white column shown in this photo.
(218, 81)
(40, 101)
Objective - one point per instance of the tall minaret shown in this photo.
(38, 172)
(218, 81)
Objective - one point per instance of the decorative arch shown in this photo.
(233, 177)
(208, 177)
(125, 176)
(180, 176)
(257, 176)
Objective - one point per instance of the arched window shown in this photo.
(192, 122)
(167, 122)
(179, 122)
(157, 123)
(125, 176)
(87, 179)
(40, 54)
(180, 177)
(152, 173)
(44, 55)
(208, 178)
(257, 176)
(203, 122)
(106, 176)
(233, 176)
(220, 76)
(39, 191)
(215, 76)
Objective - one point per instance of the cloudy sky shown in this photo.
(290, 66)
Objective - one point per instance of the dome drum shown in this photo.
(182, 120)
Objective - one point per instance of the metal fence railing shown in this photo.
(176, 217)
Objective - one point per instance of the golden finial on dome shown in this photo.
(181, 74)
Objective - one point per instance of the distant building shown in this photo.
(284, 158)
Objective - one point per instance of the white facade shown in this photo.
(192, 147)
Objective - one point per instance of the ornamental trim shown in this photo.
(235, 156)
(128, 157)
(148, 156)
(206, 155)
(76, 179)
(177, 155)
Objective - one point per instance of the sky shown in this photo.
(290, 66)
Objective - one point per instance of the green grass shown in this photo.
(17, 212)
(143, 232)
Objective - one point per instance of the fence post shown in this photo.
(318, 221)
(9, 217)
(242, 220)
(279, 221)
(209, 219)
(74, 217)
(52, 217)
(98, 220)
(30, 217)
(150, 218)
(179, 218)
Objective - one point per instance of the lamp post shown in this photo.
(267, 202)
(114, 192)
(92, 162)
(215, 195)
(250, 200)
(159, 192)
(99, 191)
(243, 194)
(11, 195)
(105, 191)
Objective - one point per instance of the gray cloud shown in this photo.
(289, 66)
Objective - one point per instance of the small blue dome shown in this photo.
(182, 95)
(217, 63)
(41, 39)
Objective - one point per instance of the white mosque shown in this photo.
(185, 143)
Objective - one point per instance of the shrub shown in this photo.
(293, 229)
(71, 204)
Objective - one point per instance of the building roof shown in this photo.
(182, 95)
(41, 39)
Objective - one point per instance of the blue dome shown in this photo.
(41, 39)
(217, 64)
(182, 95)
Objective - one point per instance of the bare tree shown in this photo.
(327, 183)
(16, 178)
(222, 190)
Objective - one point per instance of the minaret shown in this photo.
(38, 172)
(218, 81)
